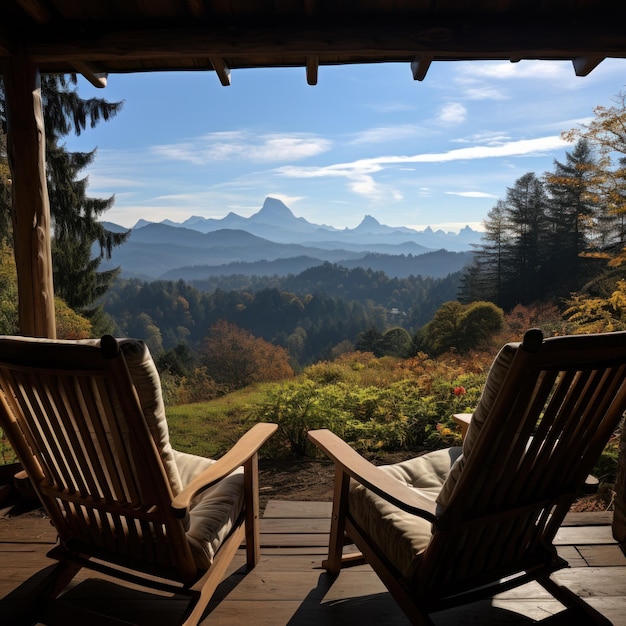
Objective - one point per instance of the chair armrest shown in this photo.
(354, 465)
(463, 420)
(246, 447)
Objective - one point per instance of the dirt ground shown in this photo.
(312, 480)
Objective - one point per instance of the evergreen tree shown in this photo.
(607, 134)
(483, 278)
(571, 212)
(524, 257)
(74, 216)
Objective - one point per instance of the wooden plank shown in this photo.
(584, 535)
(588, 518)
(27, 530)
(572, 556)
(603, 556)
(298, 509)
(290, 588)
(297, 525)
(301, 540)
(593, 581)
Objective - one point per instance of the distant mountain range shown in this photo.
(275, 241)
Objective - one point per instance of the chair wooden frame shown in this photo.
(73, 416)
(559, 403)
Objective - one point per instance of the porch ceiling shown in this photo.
(108, 36)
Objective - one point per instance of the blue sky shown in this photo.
(366, 140)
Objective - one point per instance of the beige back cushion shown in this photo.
(495, 378)
(147, 382)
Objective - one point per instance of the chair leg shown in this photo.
(251, 486)
(337, 526)
(204, 588)
(572, 601)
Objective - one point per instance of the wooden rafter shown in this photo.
(97, 79)
(312, 65)
(221, 69)
(419, 67)
(584, 65)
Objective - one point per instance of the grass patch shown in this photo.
(210, 428)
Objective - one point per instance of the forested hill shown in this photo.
(436, 264)
(309, 314)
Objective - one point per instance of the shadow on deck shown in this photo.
(289, 587)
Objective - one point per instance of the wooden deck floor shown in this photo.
(289, 588)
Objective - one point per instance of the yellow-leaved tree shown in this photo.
(607, 133)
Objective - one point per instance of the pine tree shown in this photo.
(571, 213)
(74, 216)
(607, 134)
(483, 279)
(525, 210)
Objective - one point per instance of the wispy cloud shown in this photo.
(471, 194)
(244, 146)
(494, 138)
(522, 147)
(452, 113)
(360, 173)
(385, 134)
(536, 70)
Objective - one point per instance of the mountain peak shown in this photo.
(274, 208)
(369, 220)
(368, 223)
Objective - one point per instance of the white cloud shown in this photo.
(288, 200)
(244, 146)
(536, 70)
(523, 147)
(484, 92)
(471, 194)
(452, 113)
(494, 138)
(359, 173)
(385, 134)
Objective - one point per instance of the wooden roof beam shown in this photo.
(493, 40)
(196, 7)
(419, 67)
(36, 9)
(97, 79)
(585, 65)
(221, 69)
(312, 65)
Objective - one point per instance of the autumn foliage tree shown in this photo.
(236, 358)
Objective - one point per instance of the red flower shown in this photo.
(459, 391)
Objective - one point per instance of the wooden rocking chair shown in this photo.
(461, 524)
(87, 422)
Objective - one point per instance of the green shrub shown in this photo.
(298, 407)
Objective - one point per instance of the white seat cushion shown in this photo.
(213, 512)
(403, 537)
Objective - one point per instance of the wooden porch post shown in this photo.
(619, 516)
(26, 149)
